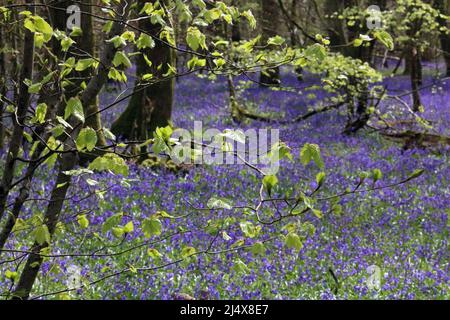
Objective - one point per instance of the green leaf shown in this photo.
(240, 267)
(377, 175)
(111, 222)
(385, 38)
(276, 41)
(87, 139)
(42, 235)
(83, 221)
(219, 203)
(145, 41)
(151, 227)
(41, 111)
(249, 229)
(316, 51)
(318, 213)
(117, 232)
(154, 254)
(76, 32)
(258, 248)
(74, 108)
(35, 88)
(196, 62)
(42, 26)
(195, 38)
(199, 4)
(118, 41)
(66, 43)
(311, 152)
(11, 275)
(250, 18)
(129, 227)
(111, 162)
(121, 58)
(293, 241)
(358, 42)
(269, 182)
(83, 64)
(213, 14)
(187, 252)
(320, 178)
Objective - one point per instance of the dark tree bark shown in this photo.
(236, 27)
(3, 76)
(18, 120)
(271, 20)
(52, 96)
(416, 79)
(336, 29)
(68, 160)
(151, 104)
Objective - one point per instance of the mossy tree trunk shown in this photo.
(151, 104)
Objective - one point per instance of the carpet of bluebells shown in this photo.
(402, 230)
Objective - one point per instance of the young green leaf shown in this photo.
(151, 227)
(311, 152)
(87, 139)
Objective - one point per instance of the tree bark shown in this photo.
(2, 87)
(416, 79)
(149, 107)
(84, 48)
(271, 20)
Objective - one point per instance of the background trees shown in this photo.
(51, 79)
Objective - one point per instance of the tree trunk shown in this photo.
(18, 120)
(271, 20)
(336, 29)
(68, 160)
(84, 48)
(416, 79)
(236, 27)
(2, 88)
(151, 104)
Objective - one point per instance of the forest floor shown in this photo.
(403, 231)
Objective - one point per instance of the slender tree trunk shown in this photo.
(336, 29)
(236, 27)
(24, 193)
(19, 117)
(84, 48)
(51, 98)
(87, 45)
(271, 20)
(149, 107)
(68, 160)
(416, 79)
